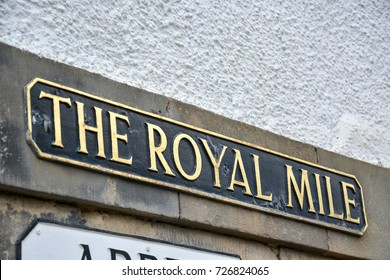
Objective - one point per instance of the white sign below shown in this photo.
(51, 241)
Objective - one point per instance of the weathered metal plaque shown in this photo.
(46, 240)
(78, 128)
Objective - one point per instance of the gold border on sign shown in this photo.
(179, 187)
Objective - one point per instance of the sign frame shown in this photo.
(51, 157)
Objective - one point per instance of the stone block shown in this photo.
(290, 254)
(239, 221)
(375, 181)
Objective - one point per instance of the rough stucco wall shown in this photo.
(316, 72)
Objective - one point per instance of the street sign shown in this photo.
(53, 241)
(77, 128)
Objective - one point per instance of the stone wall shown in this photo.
(32, 188)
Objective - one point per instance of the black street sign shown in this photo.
(78, 128)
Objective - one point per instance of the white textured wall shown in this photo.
(315, 71)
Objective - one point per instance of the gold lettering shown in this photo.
(115, 137)
(176, 157)
(216, 163)
(330, 198)
(57, 115)
(319, 194)
(244, 183)
(153, 150)
(258, 180)
(299, 192)
(349, 202)
(83, 128)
